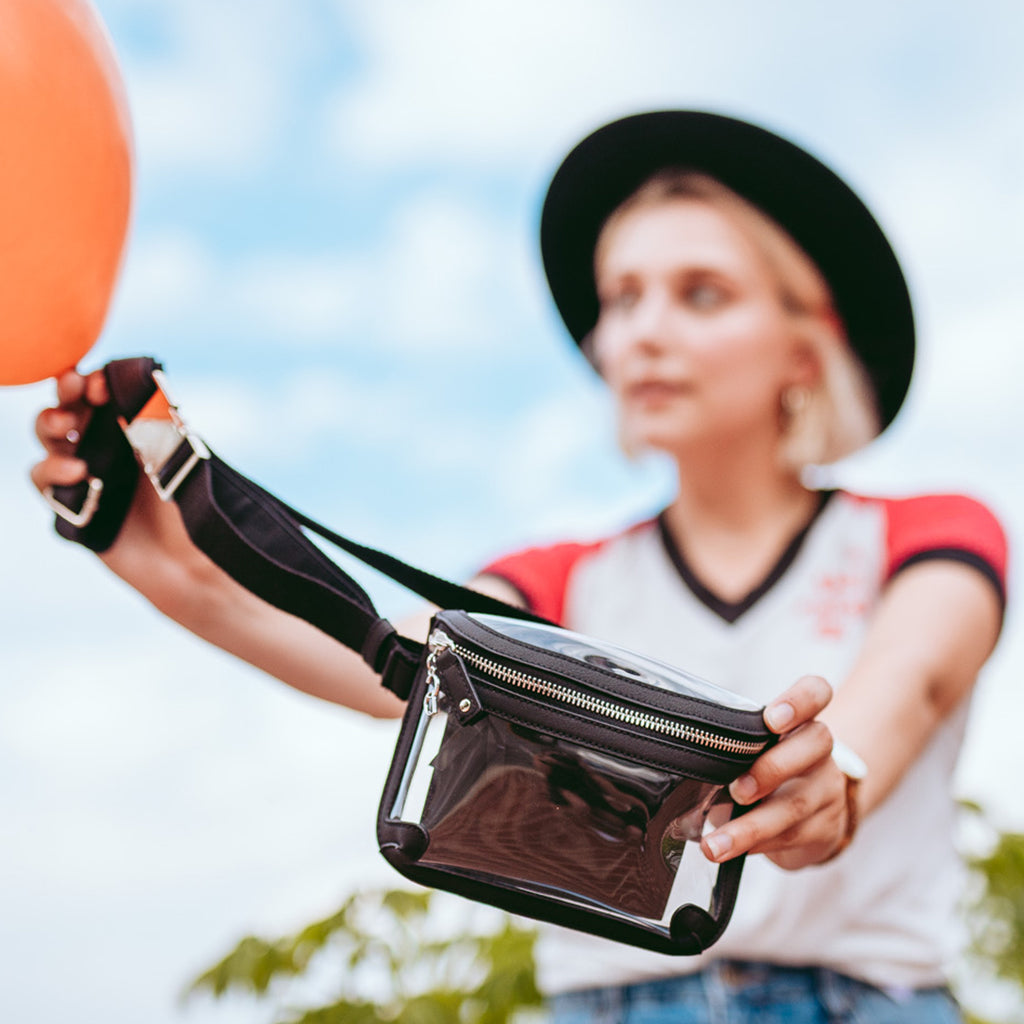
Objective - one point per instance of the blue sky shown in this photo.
(333, 252)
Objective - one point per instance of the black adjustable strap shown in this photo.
(256, 538)
(259, 541)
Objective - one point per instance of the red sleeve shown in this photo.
(945, 526)
(542, 575)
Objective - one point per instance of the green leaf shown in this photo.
(252, 965)
(998, 913)
(436, 1007)
(342, 1012)
(315, 936)
(405, 904)
(390, 965)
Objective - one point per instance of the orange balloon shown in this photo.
(65, 184)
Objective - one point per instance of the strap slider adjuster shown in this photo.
(168, 451)
(181, 462)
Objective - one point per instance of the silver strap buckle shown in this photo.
(158, 442)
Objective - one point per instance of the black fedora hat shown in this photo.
(824, 216)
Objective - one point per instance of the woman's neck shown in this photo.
(733, 518)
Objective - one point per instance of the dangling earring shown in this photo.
(804, 427)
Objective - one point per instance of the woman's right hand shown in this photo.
(60, 428)
(152, 534)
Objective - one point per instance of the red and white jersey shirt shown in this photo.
(884, 911)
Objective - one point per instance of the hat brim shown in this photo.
(821, 213)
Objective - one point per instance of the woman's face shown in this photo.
(692, 336)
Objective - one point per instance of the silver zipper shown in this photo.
(578, 699)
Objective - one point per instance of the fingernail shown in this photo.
(73, 436)
(719, 843)
(743, 789)
(778, 716)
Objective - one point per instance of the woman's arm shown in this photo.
(154, 554)
(935, 626)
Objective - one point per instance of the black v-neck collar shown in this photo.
(730, 611)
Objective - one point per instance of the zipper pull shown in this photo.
(437, 642)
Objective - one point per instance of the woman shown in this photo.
(750, 319)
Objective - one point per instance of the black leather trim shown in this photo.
(730, 611)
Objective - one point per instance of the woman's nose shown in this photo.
(649, 328)
(644, 328)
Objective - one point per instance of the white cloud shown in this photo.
(541, 454)
(428, 276)
(172, 275)
(963, 423)
(431, 276)
(217, 95)
(439, 271)
(303, 297)
(166, 273)
(466, 83)
(295, 416)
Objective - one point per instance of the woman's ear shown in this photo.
(806, 369)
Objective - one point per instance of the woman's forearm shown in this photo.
(931, 634)
(154, 555)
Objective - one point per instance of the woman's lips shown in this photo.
(655, 391)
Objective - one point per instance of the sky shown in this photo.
(333, 252)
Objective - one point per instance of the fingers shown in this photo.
(798, 753)
(803, 811)
(61, 428)
(74, 389)
(802, 818)
(806, 698)
(96, 391)
(58, 471)
(70, 388)
(794, 781)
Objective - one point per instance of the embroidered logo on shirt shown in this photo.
(839, 599)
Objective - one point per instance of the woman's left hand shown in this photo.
(802, 817)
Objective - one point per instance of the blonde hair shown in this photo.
(820, 424)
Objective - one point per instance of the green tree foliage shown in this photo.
(403, 957)
(995, 913)
(998, 912)
(394, 963)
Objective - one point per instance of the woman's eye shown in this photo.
(620, 299)
(704, 296)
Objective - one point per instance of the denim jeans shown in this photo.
(733, 992)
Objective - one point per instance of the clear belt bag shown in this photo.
(544, 772)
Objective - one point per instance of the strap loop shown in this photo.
(377, 635)
(400, 668)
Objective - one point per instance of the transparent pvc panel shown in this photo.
(506, 801)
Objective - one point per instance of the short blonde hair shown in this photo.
(822, 424)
